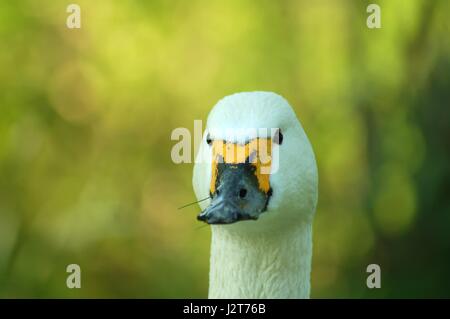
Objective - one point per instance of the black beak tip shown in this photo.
(201, 217)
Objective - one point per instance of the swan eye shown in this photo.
(208, 139)
(278, 138)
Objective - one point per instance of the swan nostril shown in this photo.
(242, 193)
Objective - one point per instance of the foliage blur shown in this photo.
(86, 117)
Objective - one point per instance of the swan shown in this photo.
(261, 224)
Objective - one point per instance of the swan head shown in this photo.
(255, 164)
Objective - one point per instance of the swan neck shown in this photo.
(269, 265)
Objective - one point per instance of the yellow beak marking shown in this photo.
(258, 151)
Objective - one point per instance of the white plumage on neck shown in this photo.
(274, 265)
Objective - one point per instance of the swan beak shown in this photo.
(237, 196)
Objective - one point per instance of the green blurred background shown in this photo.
(86, 116)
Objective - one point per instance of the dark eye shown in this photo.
(278, 138)
(208, 139)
